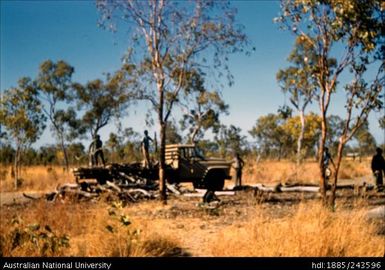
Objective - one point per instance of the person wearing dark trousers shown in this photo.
(378, 167)
(145, 145)
(96, 151)
(238, 164)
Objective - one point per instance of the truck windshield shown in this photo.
(199, 153)
(192, 152)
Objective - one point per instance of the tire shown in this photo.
(215, 181)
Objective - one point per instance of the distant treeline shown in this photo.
(274, 137)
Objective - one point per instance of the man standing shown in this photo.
(96, 151)
(378, 166)
(238, 166)
(145, 145)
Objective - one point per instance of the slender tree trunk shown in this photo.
(279, 152)
(300, 137)
(162, 163)
(66, 163)
(15, 166)
(332, 200)
(320, 158)
(194, 134)
(299, 142)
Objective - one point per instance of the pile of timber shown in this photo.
(88, 190)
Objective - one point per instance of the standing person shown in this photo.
(238, 166)
(326, 159)
(145, 145)
(96, 151)
(378, 167)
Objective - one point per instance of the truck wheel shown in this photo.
(215, 181)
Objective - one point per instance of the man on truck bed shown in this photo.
(145, 145)
(95, 151)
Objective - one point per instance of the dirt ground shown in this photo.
(196, 225)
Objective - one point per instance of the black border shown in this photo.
(200, 263)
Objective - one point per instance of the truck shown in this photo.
(185, 163)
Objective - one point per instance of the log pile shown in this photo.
(93, 190)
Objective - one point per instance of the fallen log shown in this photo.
(136, 190)
(113, 186)
(201, 193)
(124, 195)
(31, 197)
(173, 189)
(300, 189)
(261, 187)
(127, 177)
(80, 192)
(67, 186)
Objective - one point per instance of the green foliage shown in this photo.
(271, 136)
(355, 27)
(298, 80)
(54, 85)
(202, 108)
(102, 100)
(366, 141)
(124, 146)
(230, 140)
(21, 113)
(312, 131)
(22, 117)
(7, 154)
(172, 134)
(275, 135)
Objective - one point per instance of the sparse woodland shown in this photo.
(179, 61)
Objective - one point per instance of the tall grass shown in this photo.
(285, 171)
(35, 178)
(91, 230)
(311, 231)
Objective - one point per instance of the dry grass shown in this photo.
(40, 178)
(240, 227)
(285, 171)
(92, 229)
(36, 178)
(149, 229)
(311, 231)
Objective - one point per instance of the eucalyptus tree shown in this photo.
(54, 82)
(201, 107)
(366, 141)
(168, 38)
(102, 100)
(21, 115)
(230, 140)
(351, 31)
(271, 134)
(297, 80)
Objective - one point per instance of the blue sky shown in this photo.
(34, 31)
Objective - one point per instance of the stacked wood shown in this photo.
(89, 190)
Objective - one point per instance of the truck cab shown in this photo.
(186, 163)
